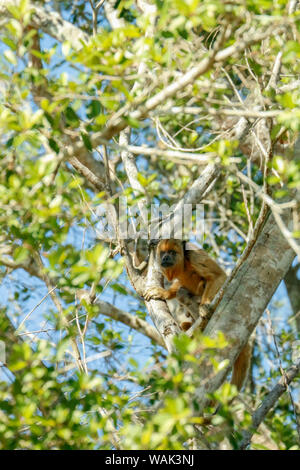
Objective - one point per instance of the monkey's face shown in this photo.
(167, 258)
(170, 253)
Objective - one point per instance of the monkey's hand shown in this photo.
(205, 314)
(157, 293)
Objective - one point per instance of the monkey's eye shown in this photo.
(172, 252)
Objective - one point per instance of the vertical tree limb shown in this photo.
(245, 300)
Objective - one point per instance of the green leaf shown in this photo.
(23, 7)
(14, 11)
(21, 254)
(133, 122)
(53, 144)
(10, 43)
(71, 117)
(94, 109)
(86, 140)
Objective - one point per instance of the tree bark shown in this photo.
(245, 300)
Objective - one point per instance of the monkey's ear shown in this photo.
(153, 243)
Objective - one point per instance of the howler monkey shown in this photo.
(201, 276)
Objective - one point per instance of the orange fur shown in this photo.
(197, 272)
(194, 269)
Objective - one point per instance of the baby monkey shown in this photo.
(201, 276)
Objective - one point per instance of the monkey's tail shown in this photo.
(241, 366)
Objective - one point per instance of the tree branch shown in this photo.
(117, 314)
(51, 23)
(245, 300)
(268, 403)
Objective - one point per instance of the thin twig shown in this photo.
(268, 402)
(284, 376)
(35, 307)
